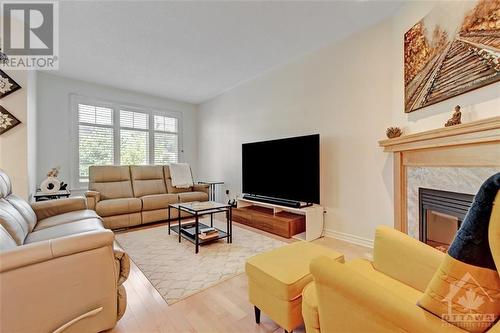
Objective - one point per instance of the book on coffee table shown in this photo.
(208, 236)
(208, 230)
(203, 233)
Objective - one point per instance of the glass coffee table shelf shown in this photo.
(190, 231)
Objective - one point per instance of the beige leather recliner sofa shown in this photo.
(60, 269)
(126, 196)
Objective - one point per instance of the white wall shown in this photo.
(14, 143)
(349, 92)
(342, 92)
(54, 120)
(32, 132)
(17, 155)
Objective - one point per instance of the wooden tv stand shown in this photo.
(302, 223)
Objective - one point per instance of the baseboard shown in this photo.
(349, 238)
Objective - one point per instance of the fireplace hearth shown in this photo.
(440, 215)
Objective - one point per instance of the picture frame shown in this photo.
(7, 85)
(454, 49)
(7, 120)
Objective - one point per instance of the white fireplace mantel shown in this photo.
(474, 144)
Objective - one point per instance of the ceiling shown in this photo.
(194, 51)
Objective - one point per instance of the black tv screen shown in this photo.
(284, 169)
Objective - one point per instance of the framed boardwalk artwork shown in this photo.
(454, 49)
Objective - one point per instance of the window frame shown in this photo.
(75, 99)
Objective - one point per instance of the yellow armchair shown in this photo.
(378, 296)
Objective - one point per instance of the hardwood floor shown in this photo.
(221, 308)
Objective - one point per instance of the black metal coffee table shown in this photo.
(190, 231)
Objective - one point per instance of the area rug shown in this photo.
(177, 272)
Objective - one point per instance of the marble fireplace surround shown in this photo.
(452, 179)
(456, 159)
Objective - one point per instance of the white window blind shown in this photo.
(166, 124)
(132, 119)
(166, 140)
(166, 148)
(95, 138)
(110, 134)
(134, 137)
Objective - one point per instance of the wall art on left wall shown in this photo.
(7, 85)
(7, 121)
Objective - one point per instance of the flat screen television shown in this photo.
(283, 169)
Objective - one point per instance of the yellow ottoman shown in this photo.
(276, 280)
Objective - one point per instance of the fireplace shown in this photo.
(440, 215)
(455, 158)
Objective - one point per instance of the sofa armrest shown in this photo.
(93, 197)
(201, 188)
(39, 252)
(351, 302)
(42, 281)
(122, 263)
(45, 209)
(405, 258)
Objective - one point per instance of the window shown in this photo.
(111, 134)
(165, 140)
(134, 137)
(95, 138)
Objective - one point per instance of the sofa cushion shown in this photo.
(284, 272)
(5, 184)
(16, 215)
(168, 182)
(158, 201)
(76, 215)
(118, 206)
(6, 240)
(193, 196)
(63, 230)
(404, 258)
(122, 221)
(24, 209)
(365, 268)
(149, 216)
(147, 180)
(110, 181)
(13, 222)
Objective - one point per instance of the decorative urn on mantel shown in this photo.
(393, 132)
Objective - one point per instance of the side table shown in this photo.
(211, 188)
(41, 196)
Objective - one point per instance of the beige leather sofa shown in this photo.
(126, 196)
(60, 269)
